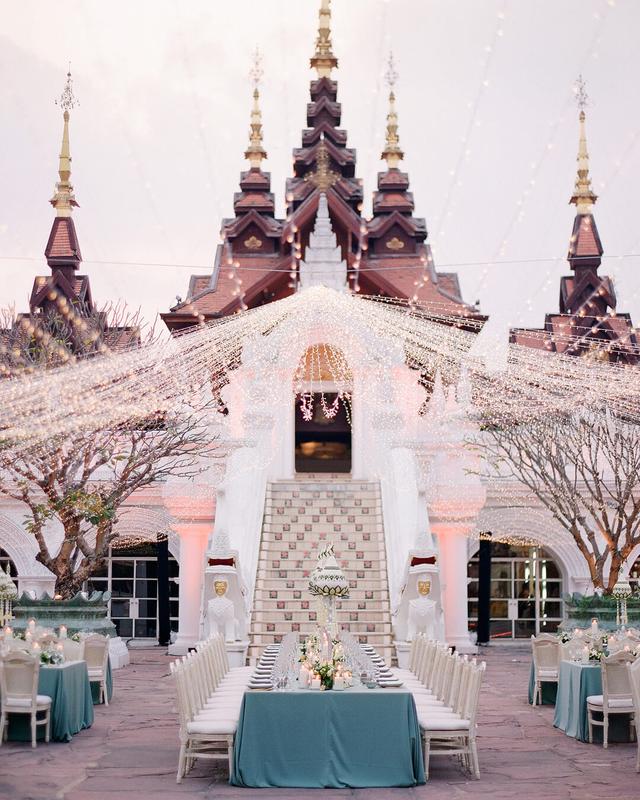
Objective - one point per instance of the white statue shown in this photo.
(422, 612)
(221, 613)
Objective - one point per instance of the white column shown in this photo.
(193, 543)
(452, 542)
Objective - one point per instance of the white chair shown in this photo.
(19, 674)
(209, 699)
(71, 650)
(615, 697)
(633, 668)
(546, 662)
(95, 652)
(452, 731)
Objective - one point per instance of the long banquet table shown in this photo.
(71, 703)
(303, 739)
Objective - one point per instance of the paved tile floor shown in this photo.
(131, 751)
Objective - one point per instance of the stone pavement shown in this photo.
(130, 753)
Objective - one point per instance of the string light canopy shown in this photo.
(111, 389)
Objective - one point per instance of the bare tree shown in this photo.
(585, 468)
(83, 479)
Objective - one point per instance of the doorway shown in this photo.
(322, 442)
(131, 575)
(526, 592)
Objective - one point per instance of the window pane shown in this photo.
(174, 589)
(173, 608)
(527, 609)
(551, 608)
(174, 568)
(500, 589)
(501, 570)
(472, 609)
(525, 589)
(101, 572)
(94, 585)
(122, 569)
(147, 589)
(499, 608)
(547, 569)
(174, 625)
(472, 570)
(147, 608)
(472, 589)
(122, 588)
(146, 628)
(549, 625)
(523, 570)
(550, 589)
(124, 627)
(147, 569)
(119, 608)
(525, 629)
(500, 629)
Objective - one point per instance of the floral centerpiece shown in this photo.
(51, 656)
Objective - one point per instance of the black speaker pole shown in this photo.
(484, 589)
(164, 626)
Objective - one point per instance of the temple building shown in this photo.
(588, 323)
(373, 462)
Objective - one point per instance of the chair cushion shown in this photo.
(597, 700)
(428, 723)
(548, 673)
(213, 727)
(25, 702)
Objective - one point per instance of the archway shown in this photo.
(322, 411)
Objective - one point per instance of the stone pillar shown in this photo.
(193, 543)
(453, 545)
(194, 517)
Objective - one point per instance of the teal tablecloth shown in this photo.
(71, 705)
(577, 682)
(95, 687)
(549, 689)
(355, 738)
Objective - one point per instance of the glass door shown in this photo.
(131, 575)
(526, 592)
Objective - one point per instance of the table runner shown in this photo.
(576, 682)
(71, 704)
(355, 738)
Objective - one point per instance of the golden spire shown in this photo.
(256, 152)
(323, 59)
(63, 199)
(323, 177)
(392, 153)
(583, 196)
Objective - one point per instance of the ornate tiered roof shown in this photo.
(259, 259)
(588, 323)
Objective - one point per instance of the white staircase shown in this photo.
(299, 515)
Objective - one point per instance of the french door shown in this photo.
(131, 575)
(526, 592)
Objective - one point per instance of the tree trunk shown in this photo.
(68, 584)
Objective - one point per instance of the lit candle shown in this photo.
(31, 625)
(316, 683)
(594, 626)
(303, 677)
(35, 647)
(585, 655)
(63, 631)
(60, 648)
(8, 632)
(338, 683)
(28, 636)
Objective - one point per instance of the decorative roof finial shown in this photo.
(256, 152)
(392, 152)
(323, 176)
(323, 59)
(63, 199)
(583, 196)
